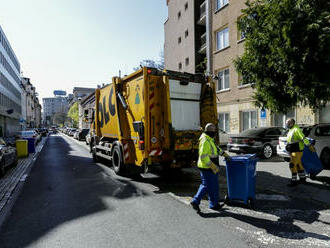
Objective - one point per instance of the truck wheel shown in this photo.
(117, 161)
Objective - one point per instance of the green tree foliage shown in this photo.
(73, 114)
(287, 52)
(59, 118)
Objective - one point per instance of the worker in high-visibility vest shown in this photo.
(208, 162)
(296, 167)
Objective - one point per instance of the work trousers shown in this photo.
(210, 186)
(296, 166)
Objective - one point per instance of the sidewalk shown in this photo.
(12, 183)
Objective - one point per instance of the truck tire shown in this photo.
(117, 160)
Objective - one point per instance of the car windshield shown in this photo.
(323, 130)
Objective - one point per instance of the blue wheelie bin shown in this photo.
(31, 145)
(311, 162)
(241, 179)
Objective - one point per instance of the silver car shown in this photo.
(320, 133)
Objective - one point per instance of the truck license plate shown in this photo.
(235, 148)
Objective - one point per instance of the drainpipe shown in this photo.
(208, 6)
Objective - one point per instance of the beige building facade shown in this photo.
(185, 35)
(236, 108)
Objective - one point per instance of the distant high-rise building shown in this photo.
(53, 105)
(10, 89)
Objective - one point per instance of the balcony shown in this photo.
(202, 50)
(202, 18)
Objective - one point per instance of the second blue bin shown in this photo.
(241, 178)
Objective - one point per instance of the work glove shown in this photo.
(214, 168)
(312, 148)
(227, 157)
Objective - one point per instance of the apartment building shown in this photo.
(31, 107)
(185, 36)
(236, 107)
(10, 91)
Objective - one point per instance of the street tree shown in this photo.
(287, 52)
(59, 118)
(73, 114)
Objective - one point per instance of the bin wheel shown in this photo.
(250, 203)
(226, 201)
(312, 176)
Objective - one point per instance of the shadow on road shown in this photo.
(280, 228)
(64, 185)
(185, 184)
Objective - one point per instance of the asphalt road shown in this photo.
(69, 201)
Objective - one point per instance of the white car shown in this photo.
(321, 134)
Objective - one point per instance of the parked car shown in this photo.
(82, 134)
(76, 134)
(27, 134)
(320, 133)
(8, 157)
(262, 141)
(43, 131)
(72, 131)
(39, 135)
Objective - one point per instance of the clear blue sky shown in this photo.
(65, 43)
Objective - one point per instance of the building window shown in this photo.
(222, 37)
(240, 33)
(180, 66)
(249, 119)
(186, 6)
(241, 81)
(186, 33)
(280, 118)
(220, 4)
(224, 122)
(179, 14)
(223, 80)
(179, 40)
(187, 61)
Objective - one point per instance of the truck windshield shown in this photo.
(185, 104)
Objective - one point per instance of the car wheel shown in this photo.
(267, 151)
(325, 158)
(117, 161)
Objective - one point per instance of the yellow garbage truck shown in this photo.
(152, 117)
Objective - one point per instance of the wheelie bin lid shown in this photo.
(244, 157)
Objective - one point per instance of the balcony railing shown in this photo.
(203, 44)
(202, 18)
